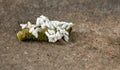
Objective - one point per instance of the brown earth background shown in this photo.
(94, 42)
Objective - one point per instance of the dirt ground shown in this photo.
(94, 42)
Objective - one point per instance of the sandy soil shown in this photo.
(94, 42)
